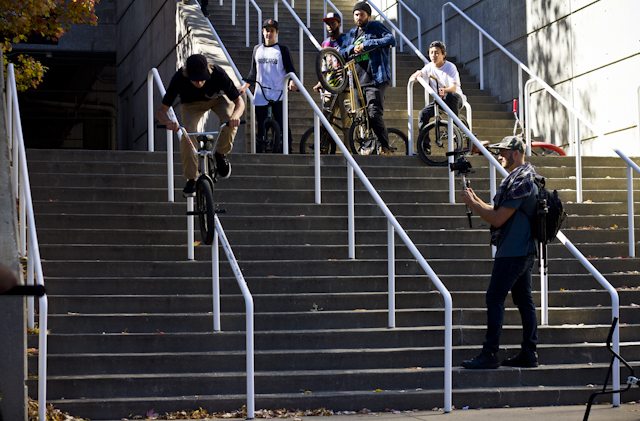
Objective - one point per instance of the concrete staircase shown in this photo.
(130, 317)
(491, 119)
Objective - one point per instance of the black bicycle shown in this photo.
(204, 205)
(336, 76)
(271, 141)
(433, 138)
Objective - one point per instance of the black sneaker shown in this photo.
(223, 166)
(524, 359)
(189, 188)
(485, 360)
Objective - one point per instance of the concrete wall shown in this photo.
(160, 34)
(13, 328)
(589, 51)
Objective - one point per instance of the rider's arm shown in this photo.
(252, 71)
(163, 118)
(234, 120)
(496, 217)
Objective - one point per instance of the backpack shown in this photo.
(550, 213)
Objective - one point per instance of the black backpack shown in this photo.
(550, 213)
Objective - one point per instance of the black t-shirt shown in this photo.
(218, 83)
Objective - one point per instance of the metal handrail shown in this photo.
(219, 235)
(27, 222)
(495, 165)
(631, 167)
(302, 28)
(397, 30)
(393, 227)
(246, 20)
(521, 67)
(418, 24)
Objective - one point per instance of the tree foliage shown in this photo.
(48, 19)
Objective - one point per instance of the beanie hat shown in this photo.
(362, 5)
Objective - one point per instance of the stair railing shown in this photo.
(28, 236)
(393, 226)
(246, 20)
(631, 167)
(521, 67)
(302, 29)
(220, 237)
(397, 31)
(404, 6)
(495, 165)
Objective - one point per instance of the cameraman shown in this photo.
(510, 219)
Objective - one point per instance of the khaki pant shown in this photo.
(192, 114)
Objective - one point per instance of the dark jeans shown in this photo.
(453, 101)
(374, 98)
(511, 273)
(261, 116)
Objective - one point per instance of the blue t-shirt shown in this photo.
(516, 237)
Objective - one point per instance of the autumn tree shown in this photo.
(45, 19)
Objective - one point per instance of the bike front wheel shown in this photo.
(433, 143)
(272, 136)
(331, 70)
(327, 145)
(361, 139)
(205, 209)
(398, 141)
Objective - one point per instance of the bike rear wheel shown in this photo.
(398, 141)
(433, 143)
(331, 70)
(205, 209)
(327, 145)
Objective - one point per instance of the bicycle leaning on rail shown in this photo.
(330, 106)
(336, 75)
(433, 138)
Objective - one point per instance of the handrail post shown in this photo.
(190, 253)
(393, 65)
(410, 117)
(492, 183)
(630, 213)
(233, 12)
(480, 60)
(170, 185)
(285, 118)
(316, 158)
(544, 287)
(150, 131)
(578, 144)
(30, 300)
(452, 176)
(391, 275)
(520, 94)
(215, 279)
(301, 52)
(351, 213)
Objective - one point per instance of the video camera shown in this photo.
(462, 166)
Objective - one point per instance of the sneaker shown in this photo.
(524, 359)
(483, 361)
(189, 188)
(223, 166)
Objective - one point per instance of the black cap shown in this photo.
(362, 5)
(198, 68)
(270, 23)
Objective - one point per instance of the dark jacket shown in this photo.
(377, 41)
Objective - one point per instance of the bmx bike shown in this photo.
(336, 76)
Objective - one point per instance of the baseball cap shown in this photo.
(270, 23)
(511, 143)
(197, 67)
(331, 16)
(362, 5)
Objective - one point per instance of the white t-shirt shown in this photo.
(269, 66)
(446, 75)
